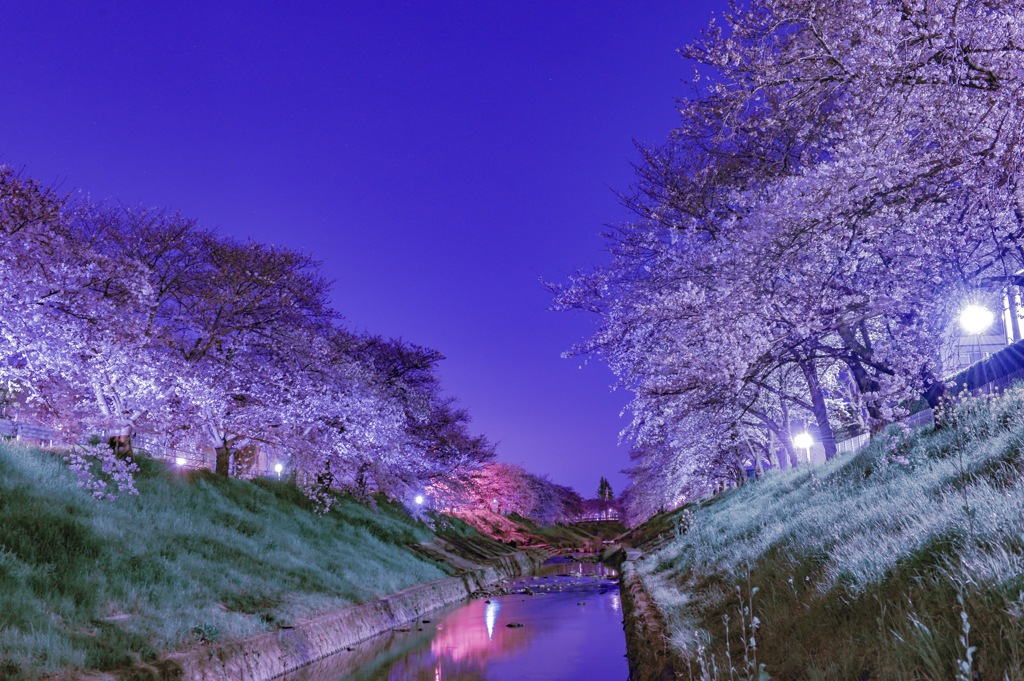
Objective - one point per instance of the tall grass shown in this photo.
(98, 585)
(902, 561)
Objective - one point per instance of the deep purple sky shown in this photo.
(438, 157)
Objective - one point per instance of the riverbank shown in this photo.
(902, 561)
(563, 622)
(289, 649)
(194, 562)
(648, 648)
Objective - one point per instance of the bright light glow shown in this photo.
(419, 499)
(975, 319)
(803, 440)
(491, 611)
(180, 461)
(278, 468)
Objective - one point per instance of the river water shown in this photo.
(571, 630)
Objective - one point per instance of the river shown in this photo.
(571, 629)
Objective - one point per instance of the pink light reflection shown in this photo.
(472, 634)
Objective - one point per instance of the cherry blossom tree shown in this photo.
(509, 488)
(438, 441)
(115, 322)
(504, 488)
(553, 503)
(842, 178)
(33, 256)
(68, 343)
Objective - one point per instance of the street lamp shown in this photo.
(804, 441)
(277, 469)
(419, 499)
(180, 461)
(976, 319)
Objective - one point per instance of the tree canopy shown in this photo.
(843, 178)
(124, 322)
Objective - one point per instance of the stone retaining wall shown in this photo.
(651, 655)
(275, 653)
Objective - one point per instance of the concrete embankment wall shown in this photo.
(278, 652)
(651, 655)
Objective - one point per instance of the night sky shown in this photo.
(439, 158)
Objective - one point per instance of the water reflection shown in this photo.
(491, 611)
(571, 629)
(462, 642)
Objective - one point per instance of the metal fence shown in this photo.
(916, 421)
(853, 444)
(27, 432)
(995, 373)
(922, 419)
(157, 448)
(152, 446)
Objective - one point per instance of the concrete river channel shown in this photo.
(562, 623)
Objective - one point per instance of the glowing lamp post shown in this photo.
(976, 319)
(419, 500)
(180, 461)
(804, 441)
(277, 469)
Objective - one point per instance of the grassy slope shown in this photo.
(861, 565)
(192, 558)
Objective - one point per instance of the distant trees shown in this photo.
(124, 321)
(508, 488)
(605, 496)
(844, 178)
(604, 506)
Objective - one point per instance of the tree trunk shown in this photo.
(363, 481)
(776, 453)
(828, 438)
(756, 456)
(325, 478)
(223, 465)
(781, 432)
(1011, 299)
(121, 445)
(787, 439)
(866, 384)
